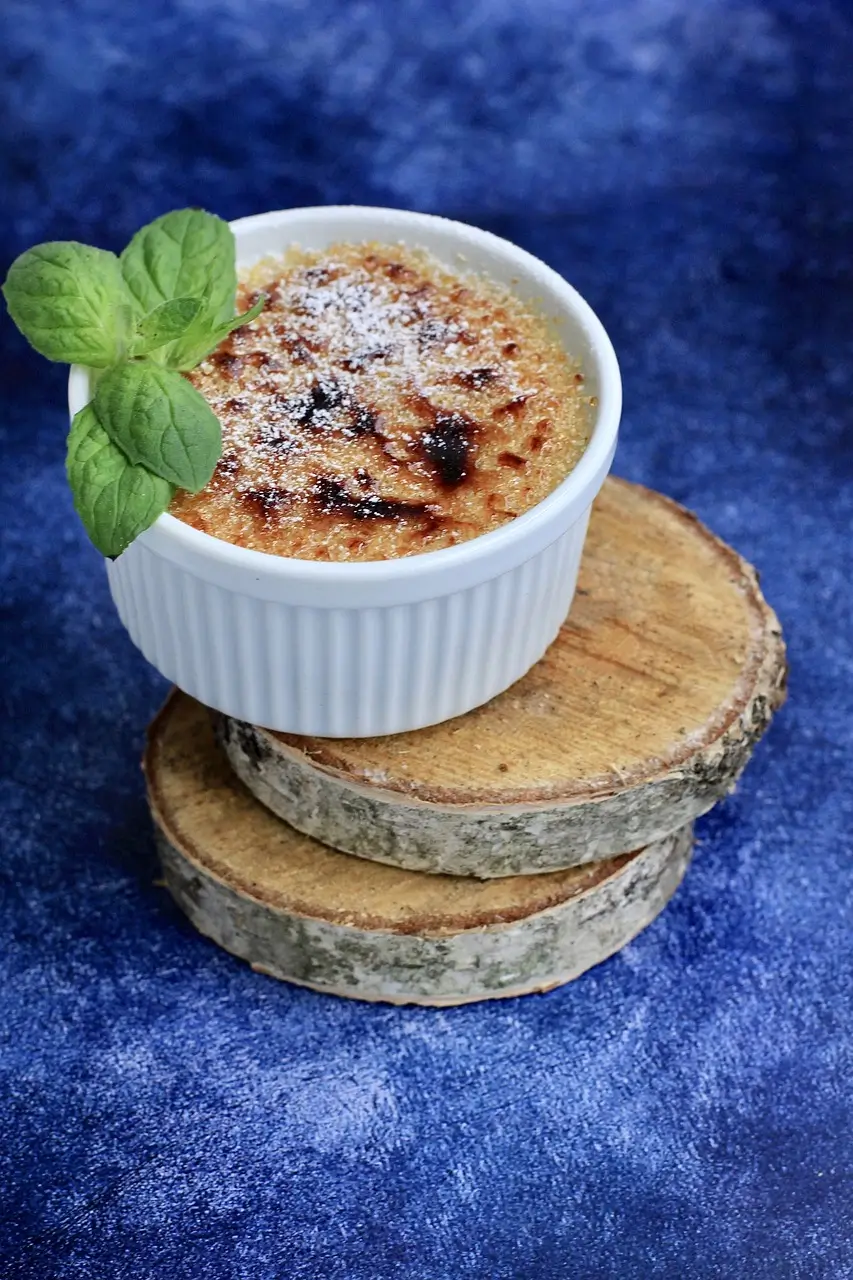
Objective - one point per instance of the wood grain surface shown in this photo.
(306, 913)
(640, 717)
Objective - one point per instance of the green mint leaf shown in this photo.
(164, 324)
(125, 320)
(67, 299)
(185, 254)
(115, 500)
(209, 339)
(160, 421)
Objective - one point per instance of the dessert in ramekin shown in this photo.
(358, 645)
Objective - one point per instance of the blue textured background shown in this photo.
(684, 1110)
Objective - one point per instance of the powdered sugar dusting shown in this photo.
(382, 406)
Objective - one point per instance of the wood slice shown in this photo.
(299, 911)
(638, 719)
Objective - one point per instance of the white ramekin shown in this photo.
(353, 650)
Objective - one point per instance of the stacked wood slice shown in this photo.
(506, 851)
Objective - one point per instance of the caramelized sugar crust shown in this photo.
(382, 406)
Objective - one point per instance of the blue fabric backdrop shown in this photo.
(684, 1110)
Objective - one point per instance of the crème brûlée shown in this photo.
(382, 406)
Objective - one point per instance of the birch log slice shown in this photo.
(305, 913)
(638, 719)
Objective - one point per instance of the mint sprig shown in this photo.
(115, 500)
(161, 422)
(70, 302)
(142, 319)
(199, 342)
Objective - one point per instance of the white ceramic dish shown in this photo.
(353, 650)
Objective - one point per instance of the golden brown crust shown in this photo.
(380, 407)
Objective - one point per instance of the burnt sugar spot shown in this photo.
(300, 347)
(227, 466)
(364, 421)
(275, 437)
(325, 394)
(314, 408)
(261, 360)
(476, 379)
(447, 444)
(446, 440)
(299, 352)
(227, 363)
(326, 406)
(236, 404)
(515, 406)
(399, 271)
(266, 502)
(508, 459)
(361, 360)
(332, 497)
(540, 435)
(436, 333)
(318, 275)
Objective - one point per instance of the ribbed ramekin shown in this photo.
(354, 650)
